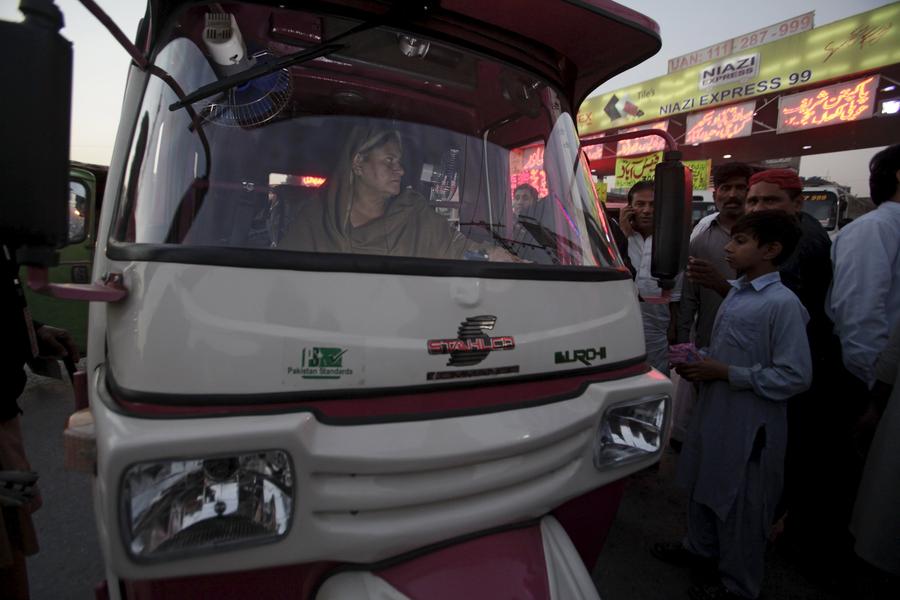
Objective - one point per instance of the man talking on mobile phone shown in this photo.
(636, 221)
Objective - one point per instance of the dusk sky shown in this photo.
(101, 64)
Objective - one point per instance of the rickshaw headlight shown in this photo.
(630, 431)
(173, 508)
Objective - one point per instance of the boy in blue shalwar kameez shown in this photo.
(732, 462)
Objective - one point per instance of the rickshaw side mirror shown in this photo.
(671, 219)
(34, 155)
(79, 210)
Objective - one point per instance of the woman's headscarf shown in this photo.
(339, 194)
(408, 227)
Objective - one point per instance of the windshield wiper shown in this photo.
(324, 49)
(258, 71)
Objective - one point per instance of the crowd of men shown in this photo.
(790, 372)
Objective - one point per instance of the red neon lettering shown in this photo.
(536, 160)
(651, 143)
(526, 165)
(720, 124)
(312, 181)
(642, 145)
(824, 107)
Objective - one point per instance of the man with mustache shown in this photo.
(659, 317)
(707, 266)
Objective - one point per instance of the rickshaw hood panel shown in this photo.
(193, 329)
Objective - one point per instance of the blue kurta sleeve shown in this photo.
(859, 293)
(791, 370)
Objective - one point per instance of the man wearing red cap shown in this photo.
(808, 272)
(818, 486)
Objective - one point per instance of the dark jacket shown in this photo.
(808, 274)
(15, 347)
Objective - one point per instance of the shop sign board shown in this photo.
(645, 144)
(594, 151)
(630, 170)
(526, 165)
(726, 123)
(640, 168)
(831, 105)
(798, 24)
(861, 43)
(700, 170)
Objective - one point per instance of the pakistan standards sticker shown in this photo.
(322, 364)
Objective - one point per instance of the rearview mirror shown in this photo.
(671, 219)
(78, 211)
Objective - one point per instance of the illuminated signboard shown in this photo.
(720, 123)
(839, 50)
(753, 39)
(631, 170)
(700, 171)
(595, 151)
(643, 145)
(643, 168)
(832, 105)
(310, 181)
(526, 165)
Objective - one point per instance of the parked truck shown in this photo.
(834, 206)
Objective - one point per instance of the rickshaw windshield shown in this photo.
(389, 145)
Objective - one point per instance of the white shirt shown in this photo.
(654, 316)
(639, 251)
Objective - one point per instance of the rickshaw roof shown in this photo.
(582, 42)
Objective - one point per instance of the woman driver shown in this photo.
(366, 212)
